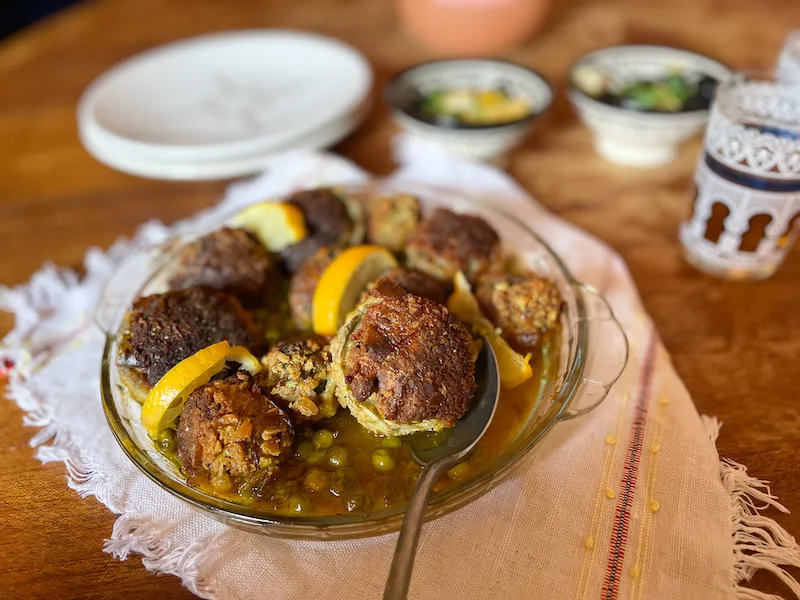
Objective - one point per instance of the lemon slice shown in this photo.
(165, 401)
(342, 283)
(275, 224)
(514, 368)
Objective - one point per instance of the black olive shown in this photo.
(707, 87)
(695, 102)
(610, 99)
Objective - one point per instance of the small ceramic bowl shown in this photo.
(641, 139)
(488, 143)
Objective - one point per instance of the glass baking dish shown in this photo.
(592, 354)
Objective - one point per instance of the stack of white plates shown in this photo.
(223, 105)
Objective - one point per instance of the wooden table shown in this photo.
(736, 346)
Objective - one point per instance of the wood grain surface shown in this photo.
(735, 345)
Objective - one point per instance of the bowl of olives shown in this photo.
(642, 102)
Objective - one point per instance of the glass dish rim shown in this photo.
(302, 527)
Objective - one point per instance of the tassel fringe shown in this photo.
(132, 534)
(758, 541)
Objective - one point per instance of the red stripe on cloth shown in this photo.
(630, 472)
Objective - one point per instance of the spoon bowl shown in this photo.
(437, 455)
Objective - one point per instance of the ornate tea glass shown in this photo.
(747, 181)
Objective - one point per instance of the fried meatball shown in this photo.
(391, 220)
(331, 220)
(228, 428)
(420, 284)
(446, 243)
(163, 329)
(404, 363)
(523, 306)
(297, 376)
(304, 284)
(230, 260)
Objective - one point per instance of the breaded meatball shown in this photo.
(446, 243)
(230, 260)
(297, 376)
(331, 220)
(304, 284)
(420, 284)
(391, 220)
(228, 428)
(523, 306)
(404, 363)
(163, 329)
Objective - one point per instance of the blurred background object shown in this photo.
(472, 27)
(475, 108)
(789, 60)
(642, 102)
(15, 14)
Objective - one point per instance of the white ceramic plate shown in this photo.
(323, 137)
(224, 96)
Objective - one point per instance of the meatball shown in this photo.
(391, 220)
(420, 284)
(297, 376)
(304, 284)
(163, 329)
(228, 428)
(446, 243)
(229, 260)
(523, 306)
(404, 363)
(331, 220)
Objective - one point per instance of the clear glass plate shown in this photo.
(592, 354)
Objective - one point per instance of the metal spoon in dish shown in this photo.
(437, 460)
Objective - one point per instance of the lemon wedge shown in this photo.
(514, 368)
(165, 401)
(275, 224)
(342, 283)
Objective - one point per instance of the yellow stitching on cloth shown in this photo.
(650, 506)
(604, 493)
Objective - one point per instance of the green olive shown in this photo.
(316, 480)
(458, 471)
(338, 457)
(166, 441)
(391, 442)
(382, 460)
(323, 439)
(298, 503)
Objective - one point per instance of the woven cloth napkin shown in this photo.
(631, 501)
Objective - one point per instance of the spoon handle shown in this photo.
(406, 549)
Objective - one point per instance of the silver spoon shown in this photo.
(437, 460)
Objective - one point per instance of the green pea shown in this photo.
(298, 504)
(323, 439)
(166, 441)
(391, 442)
(341, 481)
(338, 457)
(305, 449)
(382, 460)
(458, 471)
(357, 502)
(316, 480)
